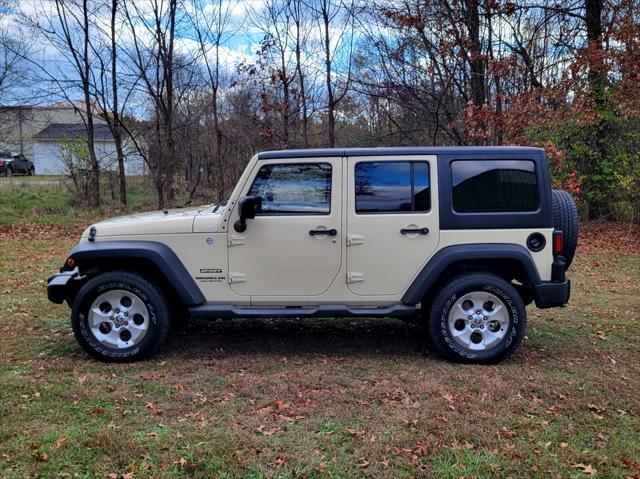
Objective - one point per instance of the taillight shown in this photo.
(558, 243)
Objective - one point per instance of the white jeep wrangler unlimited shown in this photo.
(457, 239)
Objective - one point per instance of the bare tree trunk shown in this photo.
(478, 90)
(597, 80)
(297, 16)
(116, 129)
(209, 30)
(217, 138)
(331, 118)
(496, 76)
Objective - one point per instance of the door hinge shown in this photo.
(353, 240)
(355, 277)
(236, 278)
(235, 240)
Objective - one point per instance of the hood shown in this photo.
(179, 220)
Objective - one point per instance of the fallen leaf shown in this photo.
(58, 444)
(267, 432)
(586, 468)
(506, 433)
(182, 462)
(354, 432)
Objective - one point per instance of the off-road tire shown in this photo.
(565, 218)
(152, 297)
(32, 171)
(439, 331)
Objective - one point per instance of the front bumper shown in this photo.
(60, 286)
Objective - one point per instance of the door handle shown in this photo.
(414, 231)
(331, 232)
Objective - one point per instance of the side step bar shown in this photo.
(211, 311)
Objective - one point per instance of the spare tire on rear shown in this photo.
(565, 218)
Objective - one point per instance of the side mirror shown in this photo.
(248, 206)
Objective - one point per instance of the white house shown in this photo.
(42, 133)
(53, 148)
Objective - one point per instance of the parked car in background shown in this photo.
(15, 164)
(5, 159)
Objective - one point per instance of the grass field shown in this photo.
(318, 398)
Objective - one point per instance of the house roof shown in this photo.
(66, 131)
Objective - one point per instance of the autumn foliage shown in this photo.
(562, 77)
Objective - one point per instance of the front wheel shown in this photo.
(120, 317)
(477, 318)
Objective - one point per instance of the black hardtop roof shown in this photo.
(484, 151)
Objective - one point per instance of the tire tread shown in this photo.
(459, 282)
(565, 218)
(155, 294)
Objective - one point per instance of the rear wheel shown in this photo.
(8, 171)
(120, 316)
(477, 318)
(32, 171)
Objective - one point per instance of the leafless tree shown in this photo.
(14, 47)
(69, 30)
(210, 22)
(300, 33)
(165, 77)
(111, 90)
(337, 37)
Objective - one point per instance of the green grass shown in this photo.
(317, 398)
(50, 200)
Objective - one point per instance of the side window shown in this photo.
(494, 186)
(392, 187)
(294, 188)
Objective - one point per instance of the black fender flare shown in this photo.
(468, 252)
(163, 257)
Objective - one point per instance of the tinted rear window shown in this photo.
(494, 186)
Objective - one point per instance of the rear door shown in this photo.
(392, 225)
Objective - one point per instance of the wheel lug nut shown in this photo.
(127, 314)
(126, 323)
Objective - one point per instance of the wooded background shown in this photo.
(560, 75)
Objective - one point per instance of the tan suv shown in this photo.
(458, 239)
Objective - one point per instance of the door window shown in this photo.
(392, 187)
(294, 188)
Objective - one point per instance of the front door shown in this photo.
(293, 246)
(392, 225)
